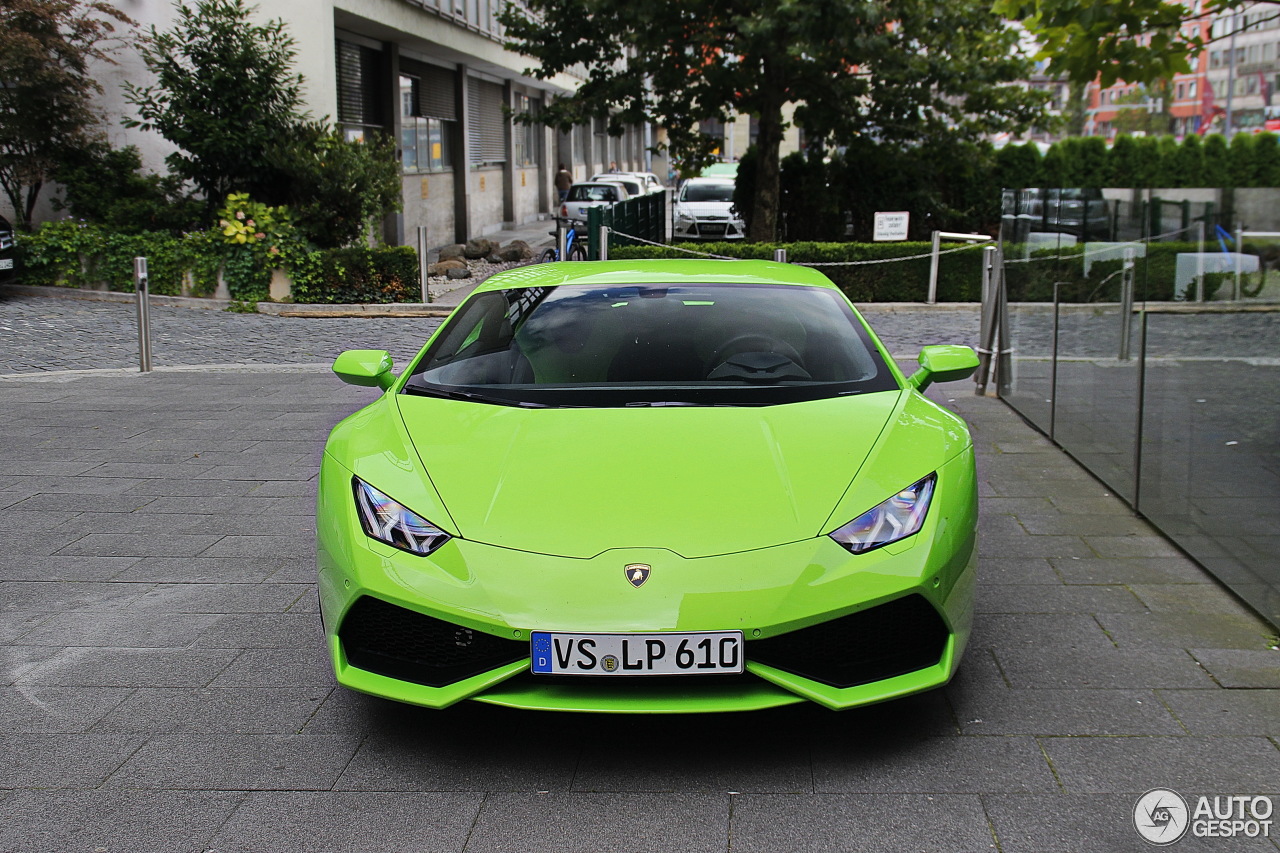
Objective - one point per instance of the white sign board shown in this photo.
(891, 225)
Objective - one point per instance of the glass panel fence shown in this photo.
(1145, 340)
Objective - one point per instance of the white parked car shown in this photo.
(586, 195)
(703, 210)
(651, 182)
(633, 185)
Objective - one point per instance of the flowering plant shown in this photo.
(245, 222)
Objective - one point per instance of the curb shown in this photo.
(391, 309)
(208, 303)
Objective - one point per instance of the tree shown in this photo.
(1018, 166)
(1123, 162)
(1141, 116)
(102, 184)
(224, 94)
(1139, 41)
(336, 186)
(895, 70)
(47, 88)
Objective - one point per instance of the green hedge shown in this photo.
(385, 274)
(959, 273)
(1154, 276)
(69, 253)
(955, 185)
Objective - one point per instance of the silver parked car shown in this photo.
(588, 194)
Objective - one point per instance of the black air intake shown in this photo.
(891, 639)
(404, 644)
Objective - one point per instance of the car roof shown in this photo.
(670, 272)
(728, 170)
(617, 178)
(717, 179)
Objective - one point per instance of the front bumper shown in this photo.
(707, 229)
(819, 624)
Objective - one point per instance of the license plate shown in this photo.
(711, 229)
(702, 653)
(6, 264)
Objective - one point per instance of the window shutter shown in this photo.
(358, 101)
(487, 131)
(437, 89)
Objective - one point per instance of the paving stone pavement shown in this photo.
(163, 686)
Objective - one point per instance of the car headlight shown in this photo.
(387, 521)
(684, 219)
(897, 518)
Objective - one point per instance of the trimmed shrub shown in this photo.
(359, 274)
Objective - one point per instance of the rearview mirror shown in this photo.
(370, 368)
(943, 364)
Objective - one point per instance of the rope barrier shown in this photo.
(622, 235)
(796, 263)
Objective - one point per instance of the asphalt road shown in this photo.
(163, 686)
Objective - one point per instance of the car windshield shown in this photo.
(707, 192)
(592, 193)
(687, 344)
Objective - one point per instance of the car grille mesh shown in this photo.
(380, 637)
(902, 636)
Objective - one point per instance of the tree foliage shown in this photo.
(1139, 41)
(225, 92)
(47, 50)
(227, 96)
(102, 184)
(335, 186)
(901, 69)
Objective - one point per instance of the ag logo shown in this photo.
(637, 574)
(1161, 816)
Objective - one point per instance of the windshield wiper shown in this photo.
(470, 396)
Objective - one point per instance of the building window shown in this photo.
(524, 137)
(360, 109)
(428, 116)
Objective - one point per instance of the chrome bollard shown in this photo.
(422, 262)
(141, 286)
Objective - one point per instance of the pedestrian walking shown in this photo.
(613, 167)
(564, 180)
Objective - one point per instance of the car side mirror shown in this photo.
(370, 368)
(943, 364)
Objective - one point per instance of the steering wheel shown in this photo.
(753, 343)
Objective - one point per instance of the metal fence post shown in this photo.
(422, 262)
(1235, 293)
(986, 343)
(1126, 301)
(141, 286)
(933, 269)
(780, 256)
(562, 246)
(604, 242)
(1004, 358)
(1200, 261)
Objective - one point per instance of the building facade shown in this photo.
(435, 75)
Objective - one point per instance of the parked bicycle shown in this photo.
(575, 247)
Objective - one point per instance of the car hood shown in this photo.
(706, 208)
(698, 481)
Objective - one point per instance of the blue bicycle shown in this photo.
(574, 247)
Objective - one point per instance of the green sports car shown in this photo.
(649, 486)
